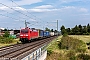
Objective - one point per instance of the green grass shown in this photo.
(53, 49)
(55, 53)
(54, 44)
(85, 38)
(14, 42)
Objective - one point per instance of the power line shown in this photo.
(9, 17)
(12, 14)
(29, 12)
(26, 11)
(16, 11)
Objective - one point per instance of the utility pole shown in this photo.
(57, 25)
(25, 24)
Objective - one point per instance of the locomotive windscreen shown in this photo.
(24, 31)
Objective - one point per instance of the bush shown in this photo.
(6, 34)
(73, 58)
(49, 52)
(82, 50)
(65, 34)
(84, 56)
(70, 43)
(71, 53)
(5, 40)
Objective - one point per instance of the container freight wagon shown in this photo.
(55, 33)
(28, 34)
(47, 34)
(52, 33)
(40, 33)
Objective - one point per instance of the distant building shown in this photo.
(2, 28)
(1, 32)
(11, 32)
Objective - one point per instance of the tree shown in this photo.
(47, 29)
(75, 30)
(80, 29)
(88, 28)
(55, 31)
(5, 29)
(84, 29)
(51, 30)
(63, 31)
(6, 34)
(68, 30)
(62, 27)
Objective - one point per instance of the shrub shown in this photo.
(49, 52)
(84, 56)
(5, 40)
(82, 50)
(73, 58)
(6, 34)
(65, 34)
(71, 53)
(71, 43)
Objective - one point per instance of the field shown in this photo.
(55, 53)
(85, 38)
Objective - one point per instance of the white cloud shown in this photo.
(28, 2)
(19, 8)
(44, 7)
(69, 7)
(42, 10)
(73, 9)
(3, 8)
(67, 1)
(39, 10)
(20, 2)
(83, 10)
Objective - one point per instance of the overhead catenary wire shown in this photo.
(26, 10)
(17, 11)
(9, 17)
(29, 12)
(13, 15)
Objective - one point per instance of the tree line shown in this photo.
(77, 30)
(47, 29)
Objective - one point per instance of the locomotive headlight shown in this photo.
(26, 35)
(21, 35)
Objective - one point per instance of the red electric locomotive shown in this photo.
(28, 34)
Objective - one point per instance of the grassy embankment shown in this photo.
(55, 52)
(13, 41)
(53, 49)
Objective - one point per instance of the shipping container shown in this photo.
(52, 33)
(47, 33)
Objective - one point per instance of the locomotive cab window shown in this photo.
(24, 31)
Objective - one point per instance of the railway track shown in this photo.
(19, 51)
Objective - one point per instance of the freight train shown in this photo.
(27, 34)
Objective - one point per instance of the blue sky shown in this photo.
(44, 13)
